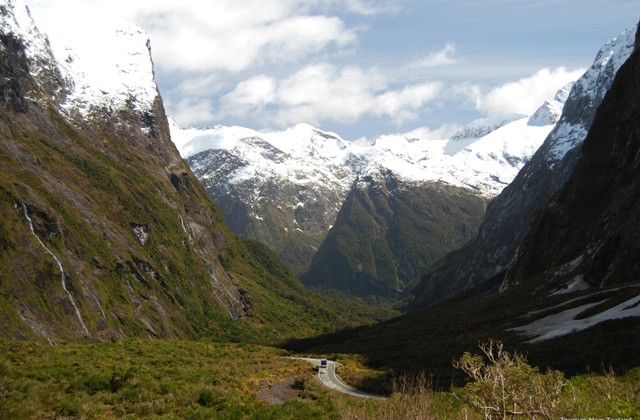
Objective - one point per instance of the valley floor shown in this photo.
(187, 379)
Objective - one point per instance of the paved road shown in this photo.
(329, 379)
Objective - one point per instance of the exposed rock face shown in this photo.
(71, 261)
(591, 233)
(291, 210)
(389, 231)
(105, 232)
(509, 215)
(286, 188)
(25, 53)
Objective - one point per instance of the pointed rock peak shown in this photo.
(17, 24)
(549, 113)
(563, 93)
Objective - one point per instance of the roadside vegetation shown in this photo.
(197, 379)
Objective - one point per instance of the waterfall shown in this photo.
(63, 277)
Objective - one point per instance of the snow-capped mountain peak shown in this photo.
(549, 113)
(483, 126)
(16, 19)
(586, 94)
(108, 71)
(112, 70)
(485, 156)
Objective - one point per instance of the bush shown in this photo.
(206, 398)
(507, 385)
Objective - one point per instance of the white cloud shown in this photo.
(403, 105)
(191, 111)
(198, 85)
(200, 35)
(249, 96)
(523, 96)
(323, 92)
(444, 57)
(369, 8)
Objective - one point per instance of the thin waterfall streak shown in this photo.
(62, 275)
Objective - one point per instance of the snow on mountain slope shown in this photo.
(589, 89)
(485, 163)
(110, 70)
(550, 111)
(483, 126)
(285, 188)
(568, 321)
(300, 155)
(509, 215)
(113, 70)
(16, 19)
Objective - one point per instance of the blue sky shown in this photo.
(360, 68)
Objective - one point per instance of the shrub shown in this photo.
(206, 398)
(507, 385)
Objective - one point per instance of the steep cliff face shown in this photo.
(105, 232)
(488, 255)
(95, 238)
(589, 235)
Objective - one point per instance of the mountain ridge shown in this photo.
(489, 253)
(106, 233)
(286, 188)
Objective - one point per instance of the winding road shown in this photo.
(329, 379)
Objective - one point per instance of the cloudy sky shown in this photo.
(361, 68)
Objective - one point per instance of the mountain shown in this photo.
(588, 236)
(105, 232)
(289, 189)
(570, 299)
(389, 231)
(508, 216)
(283, 189)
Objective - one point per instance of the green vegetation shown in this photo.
(388, 235)
(198, 379)
(142, 378)
(507, 385)
(428, 340)
(87, 189)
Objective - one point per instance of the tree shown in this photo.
(507, 386)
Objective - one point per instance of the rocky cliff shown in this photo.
(508, 216)
(105, 232)
(588, 236)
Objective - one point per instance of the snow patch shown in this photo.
(576, 285)
(564, 322)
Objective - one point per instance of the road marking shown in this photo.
(328, 378)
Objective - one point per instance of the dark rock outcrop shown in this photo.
(508, 216)
(590, 232)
